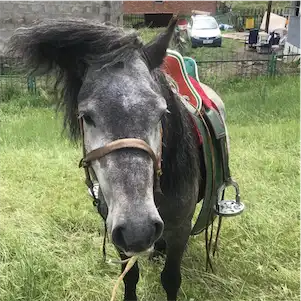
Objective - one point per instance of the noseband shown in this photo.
(125, 143)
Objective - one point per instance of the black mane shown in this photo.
(181, 153)
(69, 47)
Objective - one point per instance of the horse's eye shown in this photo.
(89, 120)
(119, 65)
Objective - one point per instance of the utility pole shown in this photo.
(267, 22)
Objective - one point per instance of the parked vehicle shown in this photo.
(203, 30)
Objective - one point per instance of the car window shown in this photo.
(204, 24)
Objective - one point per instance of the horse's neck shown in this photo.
(181, 150)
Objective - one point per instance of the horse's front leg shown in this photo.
(171, 274)
(130, 280)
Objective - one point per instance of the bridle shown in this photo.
(125, 143)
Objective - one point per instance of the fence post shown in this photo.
(31, 84)
(272, 65)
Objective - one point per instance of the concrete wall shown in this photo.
(292, 52)
(14, 14)
(116, 12)
(25, 12)
(293, 35)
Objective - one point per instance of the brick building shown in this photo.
(168, 7)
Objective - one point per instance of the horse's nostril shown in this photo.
(118, 237)
(158, 229)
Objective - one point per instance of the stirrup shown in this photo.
(95, 189)
(229, 208)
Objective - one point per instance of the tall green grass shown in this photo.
(49, 233)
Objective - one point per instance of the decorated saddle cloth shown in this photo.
(208, 114)
(183, 71)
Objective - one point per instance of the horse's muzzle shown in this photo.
(137, 238)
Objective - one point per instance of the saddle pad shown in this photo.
(191, 67)
(173, 66)
(188, 86)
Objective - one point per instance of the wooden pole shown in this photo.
(267, 22)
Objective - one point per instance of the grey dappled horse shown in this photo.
(112, 81)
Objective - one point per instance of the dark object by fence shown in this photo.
(157, 20)
(252, 38)
(146, 20)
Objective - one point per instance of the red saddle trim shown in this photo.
(206, 100)
(172, 67)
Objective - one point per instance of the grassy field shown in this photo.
(49, 233)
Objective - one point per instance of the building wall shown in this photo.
(177, 7)
(290, 49)
(115, 12)
(25, 12)
(293, 35)
(14, 14)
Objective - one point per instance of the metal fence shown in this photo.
(273, 65)
(212, 70)
(134, 21)
(235, 65)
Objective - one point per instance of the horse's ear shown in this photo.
(155, 50)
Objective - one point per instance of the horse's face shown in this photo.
(123, 101)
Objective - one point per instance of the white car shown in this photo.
(204, 30)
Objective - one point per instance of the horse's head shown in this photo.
(108, 82)
(124, 102)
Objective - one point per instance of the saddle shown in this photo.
(208, 115)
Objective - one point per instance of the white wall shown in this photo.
(290, 49)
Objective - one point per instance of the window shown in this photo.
(204, 24)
